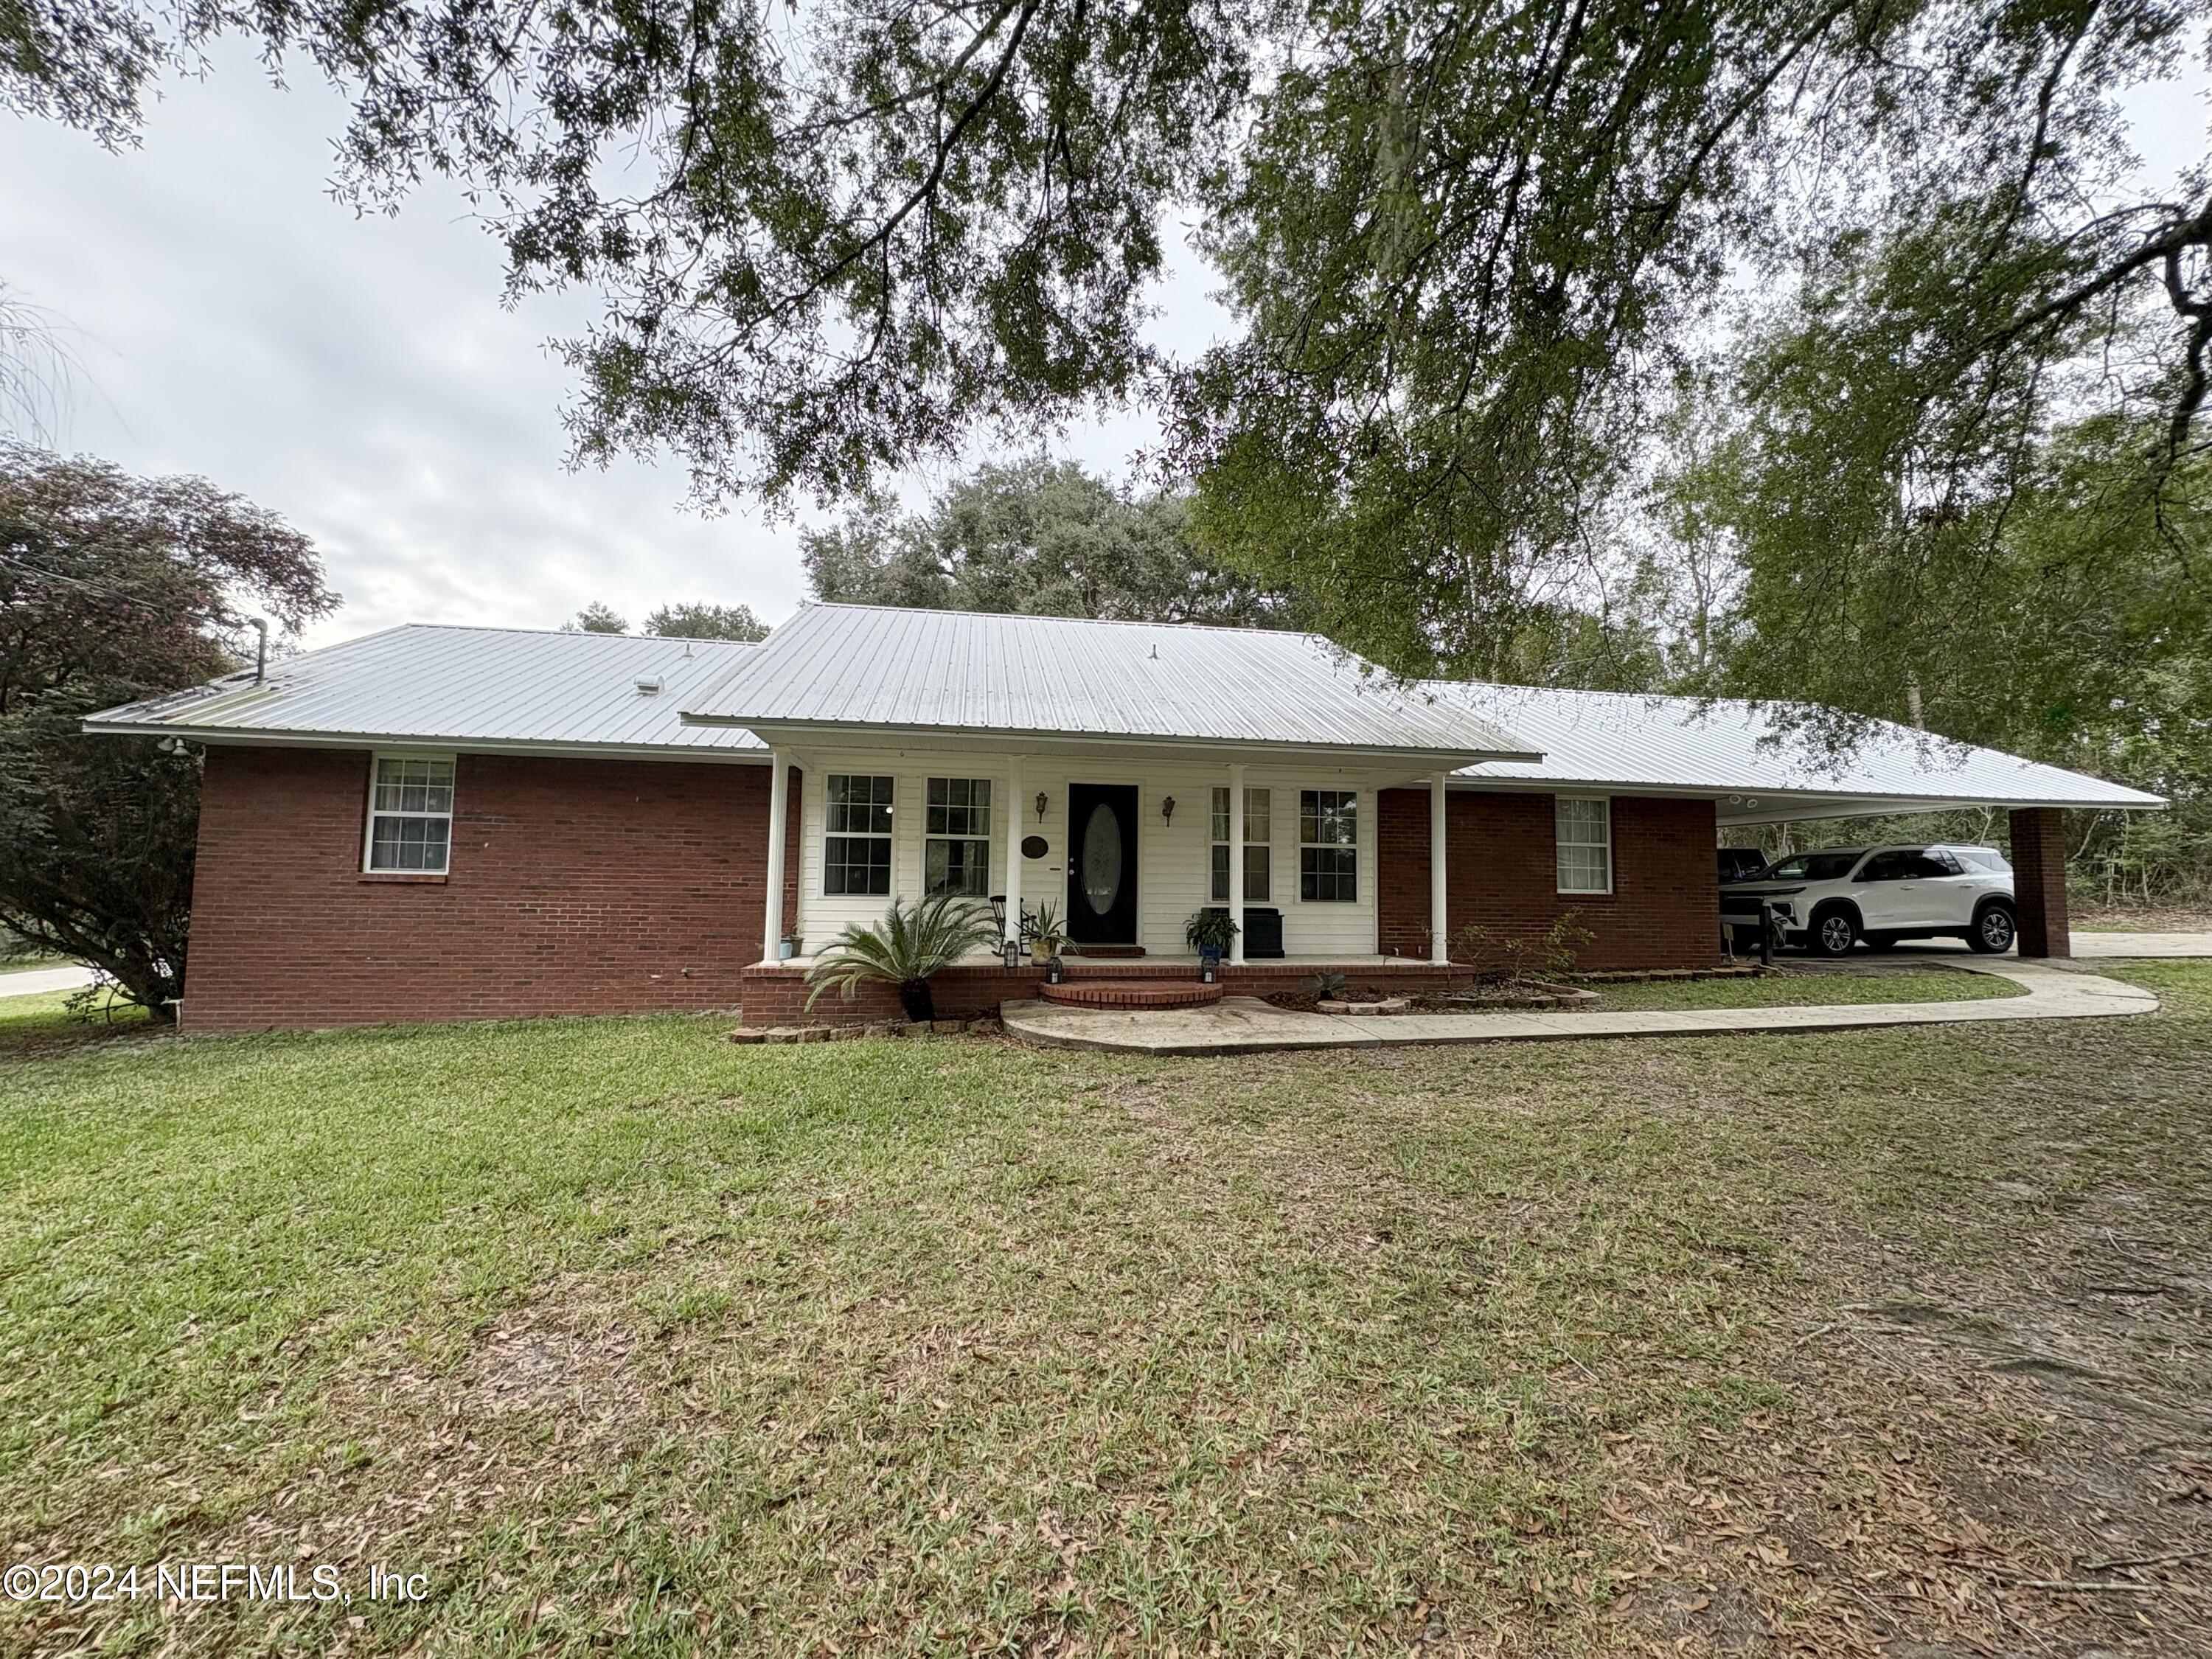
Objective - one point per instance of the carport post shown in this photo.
(2038, 881)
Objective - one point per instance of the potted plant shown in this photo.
(1210, 932)
(1041, 928)
(913, 943)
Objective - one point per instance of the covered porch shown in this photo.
(1116, 848)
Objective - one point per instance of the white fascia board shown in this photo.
(1790, 806)
(232, 737)
(825, 734)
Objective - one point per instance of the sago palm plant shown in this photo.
(914, 942)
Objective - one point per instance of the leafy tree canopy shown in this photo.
(1037, 536)
(674, 622)
(706, 622)
(1463, 243)
(597, 618)
(115, 588)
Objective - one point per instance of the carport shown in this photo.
(1762, 764)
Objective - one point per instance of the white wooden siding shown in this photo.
(1172, 855)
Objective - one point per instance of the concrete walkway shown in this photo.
(2143, 945)
(33, 981)
(1246, 1024)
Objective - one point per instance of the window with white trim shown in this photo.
(956, 848)
(856, 841)
(1328, 845)
(1259, 835)
(410, 815)
(1583, 833)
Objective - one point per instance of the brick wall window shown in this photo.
(1328, 845)
(856, 847)
(1583, 839)
(956, 848)
(410, 815)
(1259, 833)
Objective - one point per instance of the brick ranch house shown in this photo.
(434, 823)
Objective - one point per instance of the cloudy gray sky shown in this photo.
(360, 376)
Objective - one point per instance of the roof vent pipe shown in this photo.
(260, 648)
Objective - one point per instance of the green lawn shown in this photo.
(635, 1341)
(29, 965)
(1805, 989)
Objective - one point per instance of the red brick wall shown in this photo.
(1664, 911)
(576, 886)
(777, 996)
(2038, 881)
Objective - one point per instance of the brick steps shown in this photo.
(1131, 994)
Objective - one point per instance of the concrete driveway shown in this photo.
(31, 982)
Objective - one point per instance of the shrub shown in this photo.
(915, 941)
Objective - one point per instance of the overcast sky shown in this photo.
(360, 376)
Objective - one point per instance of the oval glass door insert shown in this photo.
(1101, 858)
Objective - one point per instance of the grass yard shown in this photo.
(635, 1342)
(1805, 988)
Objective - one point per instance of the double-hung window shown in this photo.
(1258, 837)
(956, 848)
(1583, 837)
(1328, 845)
(410, 815)
(856, 843)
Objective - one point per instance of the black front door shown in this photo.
(1102, 863)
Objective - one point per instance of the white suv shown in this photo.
(1829, 901)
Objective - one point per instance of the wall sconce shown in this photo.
(1167, 810)
(1043, 800)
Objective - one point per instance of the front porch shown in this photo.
(1121, 846)
(775, 994)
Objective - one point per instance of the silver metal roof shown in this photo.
(842, 667)
(1721, 746)
(469, 687)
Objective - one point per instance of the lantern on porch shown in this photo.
(1010, 951)
(1054, 970)
(1209, 970)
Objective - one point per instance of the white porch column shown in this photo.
(1439, 927)
(1014, 847)
(778, 810)
(1236, 859)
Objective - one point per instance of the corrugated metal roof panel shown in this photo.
(491, 685)
(875, 667)
(1722, 745)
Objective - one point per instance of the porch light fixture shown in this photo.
(1043, 800)
(1167, 810)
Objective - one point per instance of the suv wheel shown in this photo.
(1833, 933)
(1991, 935)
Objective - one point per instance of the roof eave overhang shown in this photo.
(789, 733)
(241, 737)
(1758, 804)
